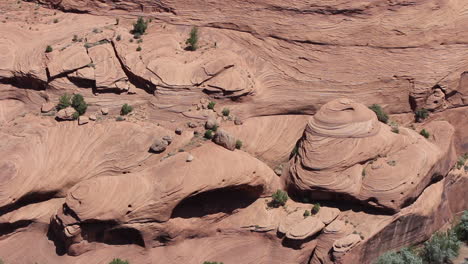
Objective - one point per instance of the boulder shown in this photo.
(66, 114)
(178, 131)
(307, 227)
(189, 158)
(92, 117)
(224, 139)
(159, 145)
(105, 111)
(211, 123)
(47, 107)
(83, 120)
(168, 139)
(346, 243)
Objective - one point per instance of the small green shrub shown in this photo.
(75, 38)
(212, 262)
(140, 27)
(131, 40)
(48, 49)
(441, 248)
(209, 134)
(461, 229)
(118, 38)
(192, 41)
(76, 115)
(226, 112)
(238, 144)
(96, 30)
(126, 109)
(395, 130)
(211, 105)
(56, 21)
(461, 160)
(215, 127)
(279, 198)
(405, 256)
(64, 102)
(306, 213)
(120, 118)
(316, 208)
(119, 261)
(140, 41)
(424, 133)
(381, 115)
(421, 114)
(79, 104)
(138, 49)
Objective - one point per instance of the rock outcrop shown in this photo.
(346, 150)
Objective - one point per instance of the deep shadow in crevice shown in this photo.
(224, 200)
(8, 228)
(124, 236)
(32, 198)
(25, 82)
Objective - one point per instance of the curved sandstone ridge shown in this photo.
(345, 150)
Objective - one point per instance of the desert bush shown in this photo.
(211, 105)
(238, 144)
(75, 38)
(212, 262)
(461, 229)
(424, 133)
(56, 21)
(140, 26)
(461, 160)
(306, 213)
(279, 198)
(226, 112)
(119, 261)
(118, 38)
(381, 115)
(316, 208)
(79, 104)
(441, 248)
(405, 256)
(209, 134)
(126, 109)
(64, 102)
(421, 114)
(192, 41)
(138, 49)
(48, 49)
(119, 118)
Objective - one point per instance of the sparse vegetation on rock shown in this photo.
(424, 133)
(64, 101)
(280, 198)
(139, 28)
(126, 109)
(226, 112)
(306, 213)
(79, 104)
(238, 144)
(316, 208)
(119, 261)
(212, 262)
(405, 256)
(461, 229)
(441, 248)
(118, 38)
(192, 41)
(421, 114)
(211, 105)
(48, 49)
(381, 115)
(461, 160)
(209, 134)
(138, 49)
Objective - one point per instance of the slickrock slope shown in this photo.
(275, 98)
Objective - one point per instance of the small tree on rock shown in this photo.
(192, 41)
(79, 104)
(279, 198)
(126, 109)
(316, 208)
(64, 102)
(381, 115)
(119, 261)
(140, 27)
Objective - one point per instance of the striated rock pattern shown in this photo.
(346, 150)
(297, 78)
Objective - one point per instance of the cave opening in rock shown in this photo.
(224, 200)
(124, 236)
